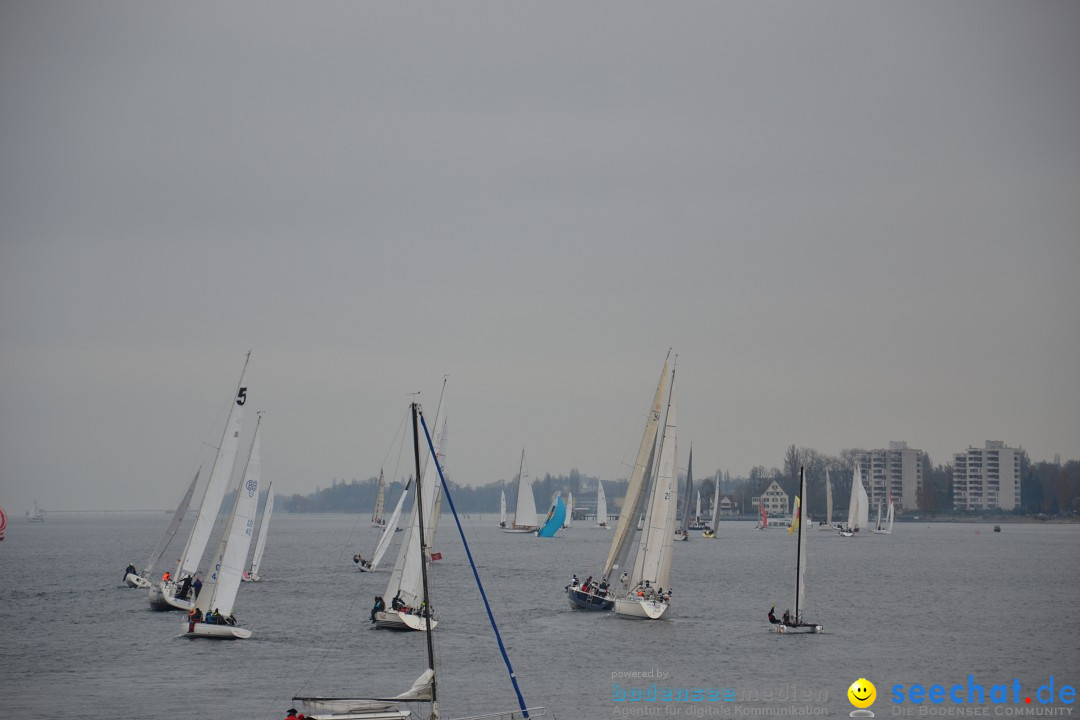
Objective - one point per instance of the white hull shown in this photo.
(248, 577)
(137, 581)
(160, 600)
(638, 608)
(216, 632)
(882, 532)
(795, 629)
(348, 709)
(519, 531)
(394, 620)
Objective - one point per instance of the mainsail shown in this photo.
(653, 560)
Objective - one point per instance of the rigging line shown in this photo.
(476, 575)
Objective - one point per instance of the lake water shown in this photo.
(931, 604)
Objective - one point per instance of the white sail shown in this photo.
(502, 508)
(601, 505)
(569, 510)
(525, 508)
(889, 519)
(390, 529)
(716, 503)
(801, 558)
(227, 565)
(859, 504)
(378, 516)
(828, 498)
(629, 516)
(219, 480)
(877, 525)
(697, 509)
(434, 511)
(653, 561)
(264, 525)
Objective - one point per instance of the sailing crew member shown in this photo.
(603, 587)
(130, 570)
(378, 607)
(787, 617)
(772, 616)
(196, 585)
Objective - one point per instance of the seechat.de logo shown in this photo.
(862, 695)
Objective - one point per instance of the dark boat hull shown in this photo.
(586, 601)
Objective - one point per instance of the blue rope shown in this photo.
(476, 575)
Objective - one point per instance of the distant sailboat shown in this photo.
(171, 592)
(795, 623)
(35, 515)
(555, 517)
(652, 566)
(525, 508)
(828, 523)
(885, 529)
(218, 594)
(142, 580)
(386, 537)
(858, 506)
(710, 531)
(687, 523)
(582, 596)
(502, 508)
(378, 518)
(601, 506)
(252, 573)
(763, 523)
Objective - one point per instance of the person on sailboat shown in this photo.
(130, 570)
(772, 616)
(787, 617)
(602, 589)
(624, 579)
(379, 607)
(196, 585)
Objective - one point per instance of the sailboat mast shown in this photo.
(798, 551)
(423, 553)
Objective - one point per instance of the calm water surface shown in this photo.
(930, 604)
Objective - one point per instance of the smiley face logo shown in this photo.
(862, 693)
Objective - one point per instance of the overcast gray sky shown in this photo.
(854, 222)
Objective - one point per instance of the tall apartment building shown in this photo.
(987, 478)
(899, 470)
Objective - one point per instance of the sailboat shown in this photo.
(525, 509)
(683, 533)
(569, 511)
(828, 522)
(858, 506)
(885, 529)
(581, 595)
(252, 573)
(601, 506)
(425, 688)
(171, 593)
(3, 523)
(502, 508)
(763, 523)
(555, 518)
(796, 623)
(387, 535)
(377, 516)
(218, 594)
(407, 609)
(35, 515)
(710, 532)
(652, 566)
(142, 580)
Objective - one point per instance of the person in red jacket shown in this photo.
(291, 715)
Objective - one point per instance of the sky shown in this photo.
(854, 223)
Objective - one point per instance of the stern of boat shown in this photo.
(396, 620)
(641, 608)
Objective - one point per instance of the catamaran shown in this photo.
(525, 508)
(216, 600)
(252, 573)
(171, 593)
(795, 623)
(581, 595)
(652, 565)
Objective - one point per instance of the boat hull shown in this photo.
(162, 599)
(137, 581)
(640, 608)
(519, 531)
(587, 601)
(352, 709)
(395, 620)
(215, 632)
(804, 629)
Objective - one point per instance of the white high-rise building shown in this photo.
(987, 478)
(898, 470)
